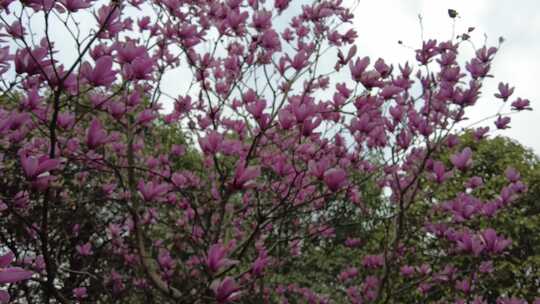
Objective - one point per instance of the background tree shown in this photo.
(517, 271)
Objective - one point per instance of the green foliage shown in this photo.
(519, 269)
(168, 135)
(522, 225)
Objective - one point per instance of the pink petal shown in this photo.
(6, 259)
(4, 297)
(14, 274)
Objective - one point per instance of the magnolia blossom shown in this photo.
(216, 258)
(36, 166)
(226, 290)
(462, 160)
(10, 274)
(102, 73)
(335, 178)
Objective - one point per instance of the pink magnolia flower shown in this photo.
(440, 173)
(145, 117)
(262, 20)
(383, 68)
(300, 60)
(96, 135)
(358, 67)
(108, 17)
(353, 242)
(101, 74)
(16, 30)
(354, 295)
(281, 5)
(407, 271)
(502, 122)
(216, 258)
(477, 69)
(521, 104)
(469, 243)
(462, 160)
(348, 274)
(31, 62)
(310, 125)
(512, 300)
(4, 5)
(38, 5)
(512, 175)
(34, 166)
(346, 59)
(226, 290)
(140, 69)
(464, 286)
(244, 176)
(481, 132)
(152, 191)
(370, 286)
(318, 168)
(505, 91)
(269, 40)
(286, 119)
(165, 260)
(256, 108)
(258, 266)
(373, 261)
(179, 180)
(486, 267)
(10, 274)
(75, 5)
(211, 143)
(14, 121)
(371, 79)
(84, 249)
(463, 207)
(474, 182)
(129, 51)
(493, 242)
(388, 92)
(335, 178)
(5, 58)
(66, 120)
(80, 293)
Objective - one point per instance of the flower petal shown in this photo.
(6, 259)
(4, 297)
(14, 274)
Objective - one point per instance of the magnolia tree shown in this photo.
(280, 122)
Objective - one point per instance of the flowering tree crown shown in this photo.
(281, 126)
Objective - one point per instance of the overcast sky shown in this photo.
(381, 23)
